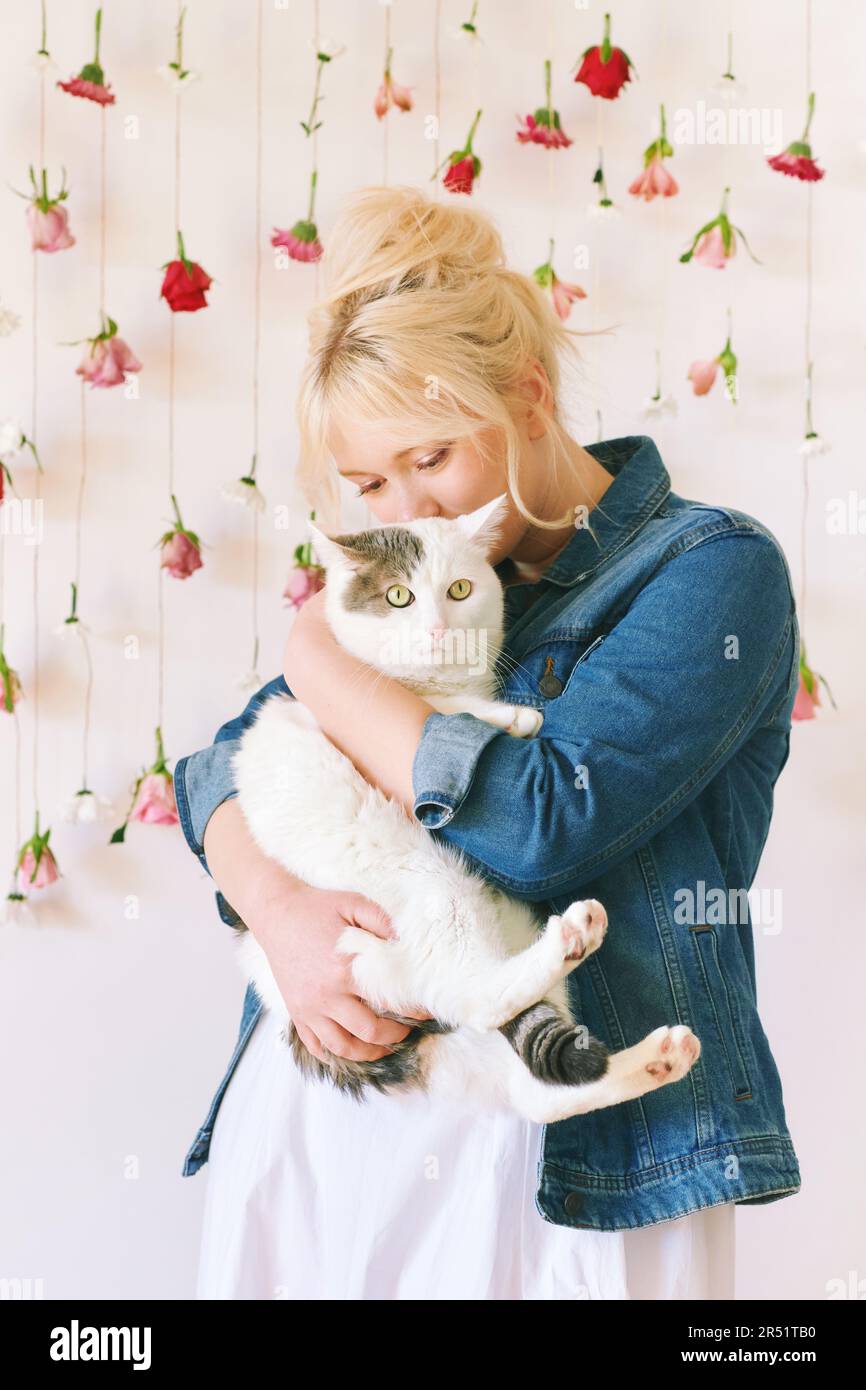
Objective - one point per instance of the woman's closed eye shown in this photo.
(431, 461)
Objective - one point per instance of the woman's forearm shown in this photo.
(244, 874)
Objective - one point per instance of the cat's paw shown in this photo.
(668, 1053)
(526, 721)
(581, 929)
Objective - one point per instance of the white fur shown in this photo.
(466, 952)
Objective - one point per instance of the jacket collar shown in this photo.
(640, 485)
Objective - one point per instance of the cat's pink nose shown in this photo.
(438, 633)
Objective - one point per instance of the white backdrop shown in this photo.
(115, 1032)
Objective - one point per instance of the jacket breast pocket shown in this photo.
(547, 670)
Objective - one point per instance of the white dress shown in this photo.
(312, 1195)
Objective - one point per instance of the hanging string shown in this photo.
(35, 439)
(317, 41)
(385, 122)
(160, 573)
(257, 326)
(807, 340)
(437, 88)
(596, 279)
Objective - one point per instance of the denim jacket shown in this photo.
(662, 646)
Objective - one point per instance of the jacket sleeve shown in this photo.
(203, 780)
(707, 650)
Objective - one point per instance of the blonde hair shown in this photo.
(423, 326)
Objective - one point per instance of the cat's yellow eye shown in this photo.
(461, 588)
(399, 596)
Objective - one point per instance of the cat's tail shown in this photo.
(554, 1048)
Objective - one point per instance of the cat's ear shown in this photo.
(334, 550)
(483, 526)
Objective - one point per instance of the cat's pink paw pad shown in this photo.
(526, 722)
(583, 926)
(677, 1049)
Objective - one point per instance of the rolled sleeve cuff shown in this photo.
(203, 781)
(444, 764)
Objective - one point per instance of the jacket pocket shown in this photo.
(726, 1009)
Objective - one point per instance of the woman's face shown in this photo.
(435, 479)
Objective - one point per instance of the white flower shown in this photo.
(603, 212)
(15, 911)
(655, 406)
(71, 628)
(813, 445)
(243, 491)
(86, 806)
(9, 321)
(43, 62)
(177, 80)
(728, 89)
(11, 439)
(249, 682)
(465, 32)
(330, 47)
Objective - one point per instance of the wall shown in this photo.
(115, 1030)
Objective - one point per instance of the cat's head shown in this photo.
(419, 599)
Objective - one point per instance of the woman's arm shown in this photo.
(706, 651)
(371, 718)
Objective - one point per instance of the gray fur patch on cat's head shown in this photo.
(379, 558)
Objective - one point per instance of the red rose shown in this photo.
(184, 286)
(605, 69)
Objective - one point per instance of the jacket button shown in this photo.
(573, 1203)
(550, 685)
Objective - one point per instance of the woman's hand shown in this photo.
(298, 928)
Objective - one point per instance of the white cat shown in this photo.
(421, 602)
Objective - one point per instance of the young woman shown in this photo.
(658, 635)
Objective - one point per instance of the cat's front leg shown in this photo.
(521, 721)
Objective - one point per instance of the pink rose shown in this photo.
(180, 556)
(31, 876)
(155, 803)
(105, 362)
(303, 582)
(49, 230)
(702, 375)
(655, 181)
(710, 249)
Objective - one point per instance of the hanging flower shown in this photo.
(808, 697)
(391, 93)
(108, 358)
(327, 49)
(306, 577)
(702, 374)
(174, 73)
(10, 685)
(9, 321)
(86, 807)
(727, 87)
(47, 221)
(13, 440)
(562, 293)
(603, 207)
(15, 910)
(184, 283)
(468, 29)
(249, 682)
(153, 800)
(657, 405)
(715, 243)
(72, 626)
(655, 179)
(90, 82)
(464, 166)
(813, 444)
(244, 491)
(181, 549)
(36, 866)
(544, 127)
(796, 160)
(605, 69)
(301, 241)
